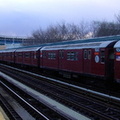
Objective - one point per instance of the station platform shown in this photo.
(48, 101)
(3, 115)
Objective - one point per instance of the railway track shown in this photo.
(8, 109)
(93, 104)
(38, 110)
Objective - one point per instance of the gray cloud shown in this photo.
(22, 17)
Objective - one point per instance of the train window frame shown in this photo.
(44, 54)
(49, 55)
(68, 55)
(52, 55)
(85, 54)
(27, 55)
(102, 56)
(19, 54)
(89, 54)
(72, 56)
(35, 55)
(75, 56)
(61, 54)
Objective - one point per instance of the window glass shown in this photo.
(35, 55)
(102, 56)
(73, 56)
(89, 54)
(85, 54)
(19, 54)
(76, 56)
(61, 54)
(51, 55)
(68, 56)
(44, 54)
(27, 55)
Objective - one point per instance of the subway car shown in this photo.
(7, 55)
(99, 60)
(28, 56)
(90, 59)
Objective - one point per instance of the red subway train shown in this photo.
(94, 59)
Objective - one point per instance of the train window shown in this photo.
(89, 54)
(19, 54)
(72, 56)
(75, 55)
(44, 54)
(85, 54)
(34, 55)
(68, 56)
(12, 55)
(111, 54)
(102, 56)
(51, 55)
(61, 54)
(54, 55)
(27, 55)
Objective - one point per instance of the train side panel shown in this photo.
(83, 61)
(19, 57)
(11, 57)
(28, 56)
(35, 58)
(8, 55)
(49, 59)
(91, 59)
(70, 60)
(97, 63)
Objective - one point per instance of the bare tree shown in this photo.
(105, 28)
(59, 32)
(84, 29)
(118, 18)
(39, 36)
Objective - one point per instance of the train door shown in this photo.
(61, 59)
(42, 56)
(87, 60)
(110, 64)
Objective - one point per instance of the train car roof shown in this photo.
(96, 39)
(117, 45)
(80, 41)
(102, 44)
(28, 49)
(8, 50)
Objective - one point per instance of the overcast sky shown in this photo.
(22, 17)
